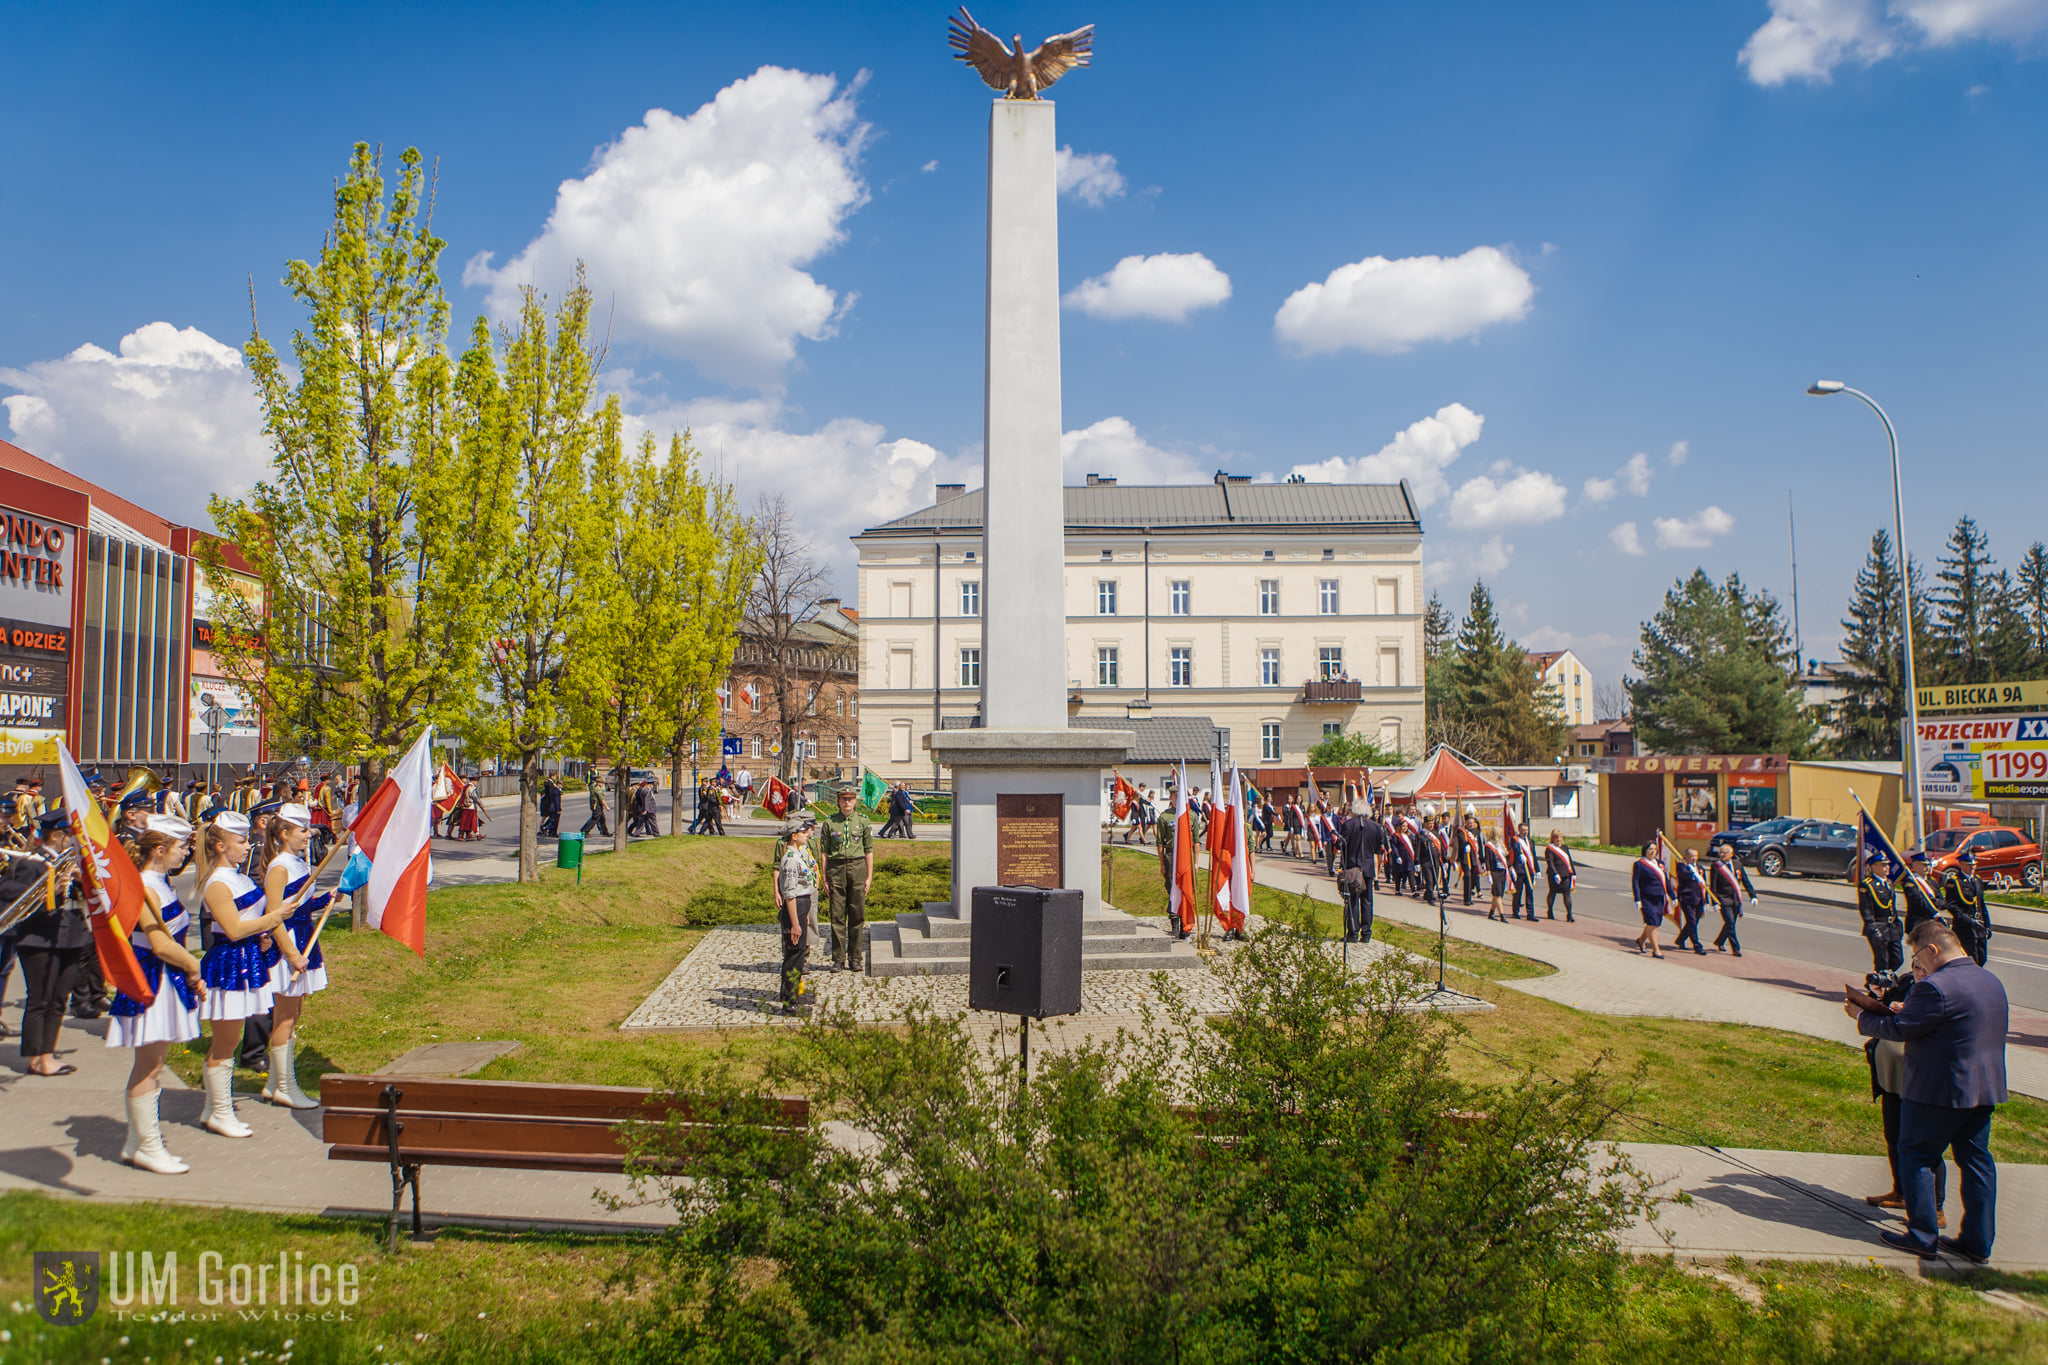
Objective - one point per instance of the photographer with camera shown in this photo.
(1953, 1023)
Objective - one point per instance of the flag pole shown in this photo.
(1925, 889)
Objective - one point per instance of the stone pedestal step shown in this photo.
(936, 942)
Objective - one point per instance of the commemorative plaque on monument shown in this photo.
(1028, 830)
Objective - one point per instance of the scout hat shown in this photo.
(234, 822)
(53, 820)
(170, 825)
(292, 813)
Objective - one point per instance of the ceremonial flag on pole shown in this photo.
(114, 898)
(777, 799)
(873, 790)
(1181, 895)
(395, 828)
(1238, 859)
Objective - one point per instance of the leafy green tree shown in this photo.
(1302, 1179)
(379, 531)
(1868, 716)
(545, 415)
(714, 558)
(1716, 673)
(1353, 750)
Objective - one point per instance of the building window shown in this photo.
(1390, 735)
(970, 668)
(1326, 596)
(1269, 668)
(1330, 662)
(840, 745)
(1269, 741)
(1105, 597)
(757, 746)
(853, 745)
(1105, 666)
(1180, 667)
(970, 599)
(1331, 729)
(1178, 596)
(839, 706)
(1107, 555)
(1269, 597)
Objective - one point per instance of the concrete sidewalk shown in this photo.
(1606, 978)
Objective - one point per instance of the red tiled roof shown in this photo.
(13, 457)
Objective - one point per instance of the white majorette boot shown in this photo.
(220, 1103)
(283, 1085)
(146, 1138)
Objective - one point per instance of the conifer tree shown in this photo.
(1964, 605)
(1716, 674)
(1437, 628)
(1490, 701)
(2030, 599)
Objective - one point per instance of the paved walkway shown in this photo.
(1598, 970)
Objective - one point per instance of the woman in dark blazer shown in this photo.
(1652, 896)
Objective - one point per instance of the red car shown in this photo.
(2001, 853)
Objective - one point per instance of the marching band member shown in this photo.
(293, 975)
(173, 1017)
(237, 979)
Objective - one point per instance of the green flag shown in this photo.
(873, 790)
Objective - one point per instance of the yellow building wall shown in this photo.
(1819, 793)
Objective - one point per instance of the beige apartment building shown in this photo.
(1561, 669)
(1279, 612)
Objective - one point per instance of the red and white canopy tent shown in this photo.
(1447, 780)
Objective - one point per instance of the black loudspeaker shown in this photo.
(1024, 951)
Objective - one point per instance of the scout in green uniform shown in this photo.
(847, 843)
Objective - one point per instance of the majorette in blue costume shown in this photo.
(236, 977)
(174, 975)
(294, 975)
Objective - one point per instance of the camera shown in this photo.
(1890, 987)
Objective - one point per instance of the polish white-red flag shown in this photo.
(395, 828)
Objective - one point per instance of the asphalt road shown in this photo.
(1823, 935)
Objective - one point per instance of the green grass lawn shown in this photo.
(1724, 1084)
(487, 1297)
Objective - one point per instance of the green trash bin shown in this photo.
(569, 853)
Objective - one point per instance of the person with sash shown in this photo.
(173, 974)
(1914, 893)
(1495, 860)
(1962, 895)
(1469, 847)
(1652, 892)
(1427, 856)
(1692, 901)
(1523, 860)
(1729, 883)
(1563, 875)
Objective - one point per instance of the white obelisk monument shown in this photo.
(1027, 790)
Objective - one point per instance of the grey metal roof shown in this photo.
(1167, 507)
(1160, 739)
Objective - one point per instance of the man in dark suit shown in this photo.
(1953, 1023)
(550, 808)
(1363, 841)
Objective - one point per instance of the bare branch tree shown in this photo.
(795, 656)
(1611, 700)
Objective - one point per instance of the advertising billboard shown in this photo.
(1695, 809)
(1983, 758)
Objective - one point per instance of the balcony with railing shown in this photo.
(1332, 691)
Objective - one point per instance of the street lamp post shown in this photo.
(1908, 752)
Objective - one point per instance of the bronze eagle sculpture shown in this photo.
(1020, 75)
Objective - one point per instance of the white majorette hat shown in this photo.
(170, 825)
(292, 813)
(233, 821)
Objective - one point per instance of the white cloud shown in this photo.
(1680, 452)
(1491, 557)
(169, 420)
(1598, 490)
(1114, 448)
(1091, 177)
(696, 231)
(1388, 306)
(1635, 475)
(929, 166)
(1168, 287)
(1695, 532)
(1808, 39)
(1530, 496)
(1420, 454)
(1626, 539)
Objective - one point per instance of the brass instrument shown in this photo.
(29, 902)
(140, 779)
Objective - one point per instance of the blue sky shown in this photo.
(1574, 234)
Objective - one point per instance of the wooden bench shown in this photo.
(409, 1122)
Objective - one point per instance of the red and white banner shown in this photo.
(1181, 895)
(395, 828)
(114, 898)
(1236, 904)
